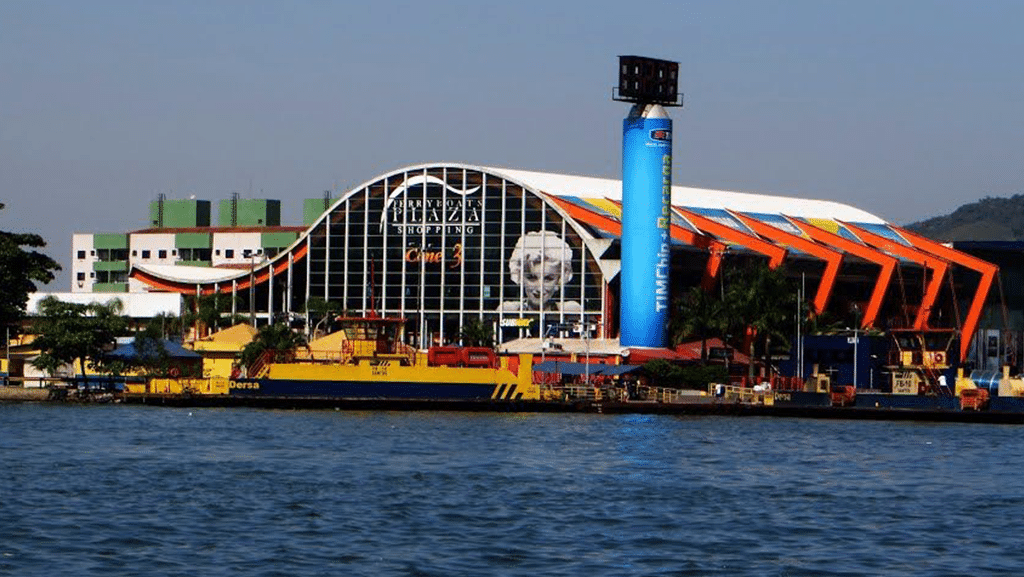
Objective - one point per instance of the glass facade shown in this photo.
(444, 245)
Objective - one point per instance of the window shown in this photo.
(81, 276)
(145, 254)
(229, 253)
(174, 253)
(161, 254)
(135, 253)
(81, 254)
(194, 254)
(217, 252)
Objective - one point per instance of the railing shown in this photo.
(326, 357)
(582, 392)
(357, 350)
(663, 395)
(745, 395)
(259, 367)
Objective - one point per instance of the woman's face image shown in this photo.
(542, 278)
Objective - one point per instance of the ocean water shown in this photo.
(119, 490)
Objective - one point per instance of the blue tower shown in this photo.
(650, 85)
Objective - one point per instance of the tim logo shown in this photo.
(661, 134)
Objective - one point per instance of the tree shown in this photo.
(699, 314)
(762, 299)
(165, 325)
(69, 332)
(206, 312)
(20, 270)
(278, 337)
(151, 356)
(477, 333)
(695, 377)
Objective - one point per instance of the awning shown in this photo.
(615, 370)
(641, 356)
(173, 349)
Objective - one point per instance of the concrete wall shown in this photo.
(241, 246)
(83, 255)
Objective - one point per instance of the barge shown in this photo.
(371, 365)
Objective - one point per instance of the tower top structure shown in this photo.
(646, 80)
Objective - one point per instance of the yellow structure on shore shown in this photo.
(220, 349)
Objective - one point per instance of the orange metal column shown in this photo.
(867, 253)
(677, 232)
(986, 269)
(833, 259)
(937, 265)
(776, 254)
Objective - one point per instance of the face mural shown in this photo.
(541, 265)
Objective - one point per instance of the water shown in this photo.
(116, 490)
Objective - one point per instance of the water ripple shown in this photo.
(112, 490)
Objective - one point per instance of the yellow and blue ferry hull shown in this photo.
(390, 381)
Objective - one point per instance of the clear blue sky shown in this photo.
(905, 109)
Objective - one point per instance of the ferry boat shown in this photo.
(371, 364)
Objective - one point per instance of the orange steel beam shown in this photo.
(988, 274)
(680, 233)
(776, 254)
(713, 267)
(207, 287)
(833, 259)
(936, 264)
(867, 253)
(588, 216)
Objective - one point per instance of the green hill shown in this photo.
(987, 219)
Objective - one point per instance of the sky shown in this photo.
(905, 109)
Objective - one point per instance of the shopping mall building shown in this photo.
(442, 244)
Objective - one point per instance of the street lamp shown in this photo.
(584, 331)
(252, 288)
(544, 343)
(854, 339)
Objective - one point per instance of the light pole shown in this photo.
(799, 321)
(584, 332)
(252, 288)
(871, 372)
(856, 325)
(855, 340)
(544, 343)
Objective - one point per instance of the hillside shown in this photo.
(987, 219)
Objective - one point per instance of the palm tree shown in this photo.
(762, 300)
(698, 314)
(206, 312)
(278, 337)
